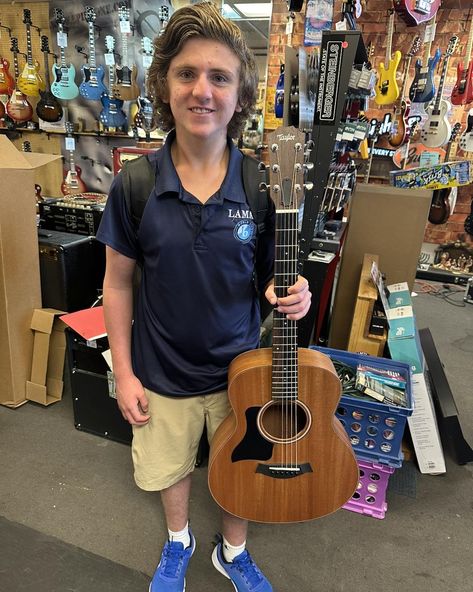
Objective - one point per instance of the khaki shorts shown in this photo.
(164, 450)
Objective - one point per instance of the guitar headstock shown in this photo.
(44, 44)
(27, 16)
(90, 15)
(147, 46)
(59, 16)
(163, 14)
(455, 131)
(69, 128)
(14, 45)
(286, 167)
(415, 47)
(123, 13)
(26, 146)
(413, 128)
(452, 46)
(109, 43)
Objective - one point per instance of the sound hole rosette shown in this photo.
(284, 421)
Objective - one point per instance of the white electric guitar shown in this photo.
(437, 130)
(466, 139)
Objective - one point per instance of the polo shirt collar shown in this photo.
(168, 180)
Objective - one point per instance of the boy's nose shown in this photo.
(202, 87)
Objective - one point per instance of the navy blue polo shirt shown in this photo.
(197, 306)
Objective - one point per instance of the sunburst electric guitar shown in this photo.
(387, 89)
(30, 81)
(18, 107)
(282, 455)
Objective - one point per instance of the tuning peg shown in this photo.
(275, 168)
(308, 166)
(308, 186)
(261, 167)
(263, 187)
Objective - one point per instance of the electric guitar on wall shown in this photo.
(437, 129)
(415, 12)
(422, 89)
(400, 126)
(72, 183)
(443, 200)
(92, 86)
(63, 86)
(374, 139)
(462, 92)
(144, 118)
(7, 83)
(30, 81)
(125, 88)
(48, 108)
(387, 89)
(18, 107)
(466, 139)
(112, 114)
(282, 455)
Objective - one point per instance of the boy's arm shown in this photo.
(118, 313)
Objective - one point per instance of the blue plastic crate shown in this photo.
(374, 428)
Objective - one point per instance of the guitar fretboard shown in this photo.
(92, 62)
(29, 48)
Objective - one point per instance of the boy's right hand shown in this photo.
(132, 400)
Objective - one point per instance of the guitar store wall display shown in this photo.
(92, 46)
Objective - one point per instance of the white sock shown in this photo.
(181, 536)
(230, 551)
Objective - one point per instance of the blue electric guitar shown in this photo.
(144, 118)
(112, 114)
(92, 87)
(63, 85)
(422, 89)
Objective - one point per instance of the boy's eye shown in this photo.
(220, 78)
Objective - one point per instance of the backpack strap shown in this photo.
(138, 179)
(257, 197)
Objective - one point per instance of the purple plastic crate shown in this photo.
(370, 495)
(374, 428)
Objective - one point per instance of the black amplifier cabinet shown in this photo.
(78, 216)
(95, 411)
(72, 268)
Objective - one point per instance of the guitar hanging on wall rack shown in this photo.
(48, 108)
(462, 92)
(30, 81)
(72, 183)
(466, 139)
(405, 148)
(92, 87)
(400, 123)
(437, 129)
(468, 225)
(125, 88)
(112, 114)
(442, 199)
(144, 118)
(374, 139)
(63, 86)
(415, 12)
(18, 107)
(422, 89)
(282, 455)
(7, 83)
(387, 89)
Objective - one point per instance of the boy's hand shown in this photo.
(296, 304)
(132, 400)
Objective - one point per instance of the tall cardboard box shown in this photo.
(20, 290)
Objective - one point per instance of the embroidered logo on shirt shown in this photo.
(244, 230)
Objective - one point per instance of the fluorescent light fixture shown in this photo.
(254, 10)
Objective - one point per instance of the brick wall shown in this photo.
(453, 18)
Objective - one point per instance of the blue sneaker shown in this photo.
(242, 571)
(170, 575)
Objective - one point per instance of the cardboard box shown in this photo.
(49, 350)
(20, 289)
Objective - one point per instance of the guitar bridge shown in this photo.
(283, 471)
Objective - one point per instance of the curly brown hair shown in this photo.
(201, 20)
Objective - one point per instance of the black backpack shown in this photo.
(138, 179)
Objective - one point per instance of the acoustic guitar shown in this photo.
(462, 92)
(48, 107)
(30, 81)
(442, 199)
(281, 455)
(387, 89)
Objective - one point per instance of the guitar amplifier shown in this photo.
(75, 214)
(72, 268)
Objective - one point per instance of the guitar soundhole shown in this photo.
(284, 421)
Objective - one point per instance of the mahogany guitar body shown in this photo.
(266, 469)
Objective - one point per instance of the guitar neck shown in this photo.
(406, 76)
(29, 49)
(438, 98)
(389, 44)
(92, 62)
(125, 49)
(469, 47)
(428, 45)
(284, 352)
(16, 67)
(46, 69)
(72, 164)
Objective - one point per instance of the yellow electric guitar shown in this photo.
(387, 89)
(30, 81)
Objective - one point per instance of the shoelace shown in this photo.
(173, 554)
(248, 569)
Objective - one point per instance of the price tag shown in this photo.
(147, 59)
(429, 33)
(341, 25)
(429, 159)
(125, 27)
(62, 39)
(109, 59)
(289, 26)
(70, 144)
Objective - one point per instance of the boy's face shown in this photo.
(202, 88)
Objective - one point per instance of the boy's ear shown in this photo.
(238, 108)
